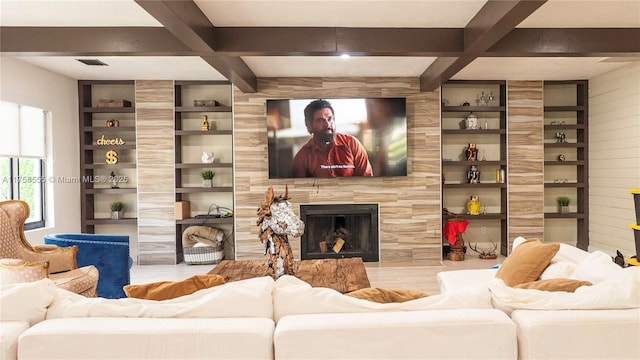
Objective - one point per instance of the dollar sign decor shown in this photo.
(112, 157)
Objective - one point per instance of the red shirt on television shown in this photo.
(345, 156)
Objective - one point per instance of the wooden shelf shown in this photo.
(92, 129)
(111, 166)
(574, 94)
(473, 108)
(475, 186)
(187, 190)
(477, 163)
(109, 110)
(564, 185)
(488, 216)
(109, 147)
(564, 145)
(473, 132)
(201, 109)
(194, 221)
(564, 127)
(203, 165)
(563, 163)
(564, 108)
(200, 132)
(110, 191)
(563, 216)
(496, 137)
(125, 221)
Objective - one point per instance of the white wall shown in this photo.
(614, 158)
(26, 84)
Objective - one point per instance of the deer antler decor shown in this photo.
(485, 254)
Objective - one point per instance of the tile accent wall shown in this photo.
(155, 161)
(525, 157)
(410, 210)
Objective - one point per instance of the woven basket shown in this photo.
(201, 255)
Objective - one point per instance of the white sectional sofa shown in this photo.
(595, 322)
(476, 317)
(257, 319)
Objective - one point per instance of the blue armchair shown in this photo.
(108, 253)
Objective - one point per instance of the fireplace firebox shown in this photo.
(340, 231)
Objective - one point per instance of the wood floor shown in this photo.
(395, 276)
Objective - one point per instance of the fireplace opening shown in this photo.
(340, 231)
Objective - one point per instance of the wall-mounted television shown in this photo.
(325, 138)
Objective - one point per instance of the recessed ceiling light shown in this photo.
(92, 62)
(345, 56)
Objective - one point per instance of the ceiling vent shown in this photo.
(92, 62)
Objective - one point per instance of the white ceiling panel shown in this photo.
(559, 68)
(74, 13)
(131, 68)
(341, 13)
(585, 14)
(335, 66)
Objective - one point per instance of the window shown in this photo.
(22, 158)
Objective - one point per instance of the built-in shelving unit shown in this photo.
(566, 137)
(190, 143)
(487, 101)
(107, 146)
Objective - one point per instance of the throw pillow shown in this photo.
(164, 290)
(26, 301)
(526, 262)
(568, 285)
(386, 296)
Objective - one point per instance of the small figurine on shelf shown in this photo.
(473, 205)
(471, 122)
(114, 180)
(205, 123)
(207, 157)
(561, 137)
(471, 152)
(473, 175)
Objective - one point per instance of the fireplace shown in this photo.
(340, 231)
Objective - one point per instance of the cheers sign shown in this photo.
(115, 141)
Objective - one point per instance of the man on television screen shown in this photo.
(328, 153)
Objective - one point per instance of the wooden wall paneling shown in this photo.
(525, 157)
(155, 157)
(410, 213)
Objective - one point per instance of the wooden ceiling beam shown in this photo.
(157, 41)
(185, 20)
(90, 41)
(494, 20)
(613, 42)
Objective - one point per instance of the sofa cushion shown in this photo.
(385, 296)
(164, 290)
(244, 298)
(135, 338)
(293, 296)
(424, 334)
(559, 284)
(617, 292)
(597, 267)
(26, 301)
(526, 262)
(10, 331)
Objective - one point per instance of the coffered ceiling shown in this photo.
(243, 40)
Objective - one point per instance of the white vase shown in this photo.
(207, 183)
(117, 215)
